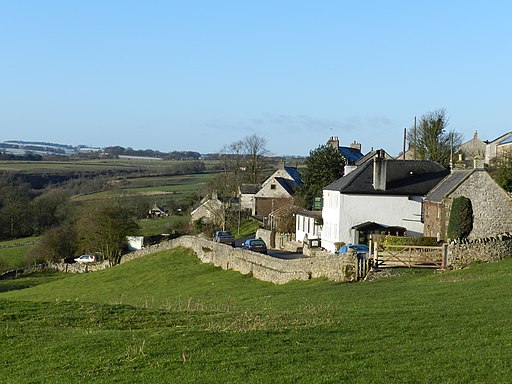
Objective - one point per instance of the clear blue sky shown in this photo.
(195, 75)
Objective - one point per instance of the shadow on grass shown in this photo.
(13, 287)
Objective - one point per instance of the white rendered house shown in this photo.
(379, 196)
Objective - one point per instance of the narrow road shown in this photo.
(277, 253)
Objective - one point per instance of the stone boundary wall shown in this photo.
(262, 267)
(462, 253)
(78, 267)
(58, 267)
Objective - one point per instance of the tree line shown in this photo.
(174, 155)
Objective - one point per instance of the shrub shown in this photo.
(461, 218)
(404, 240)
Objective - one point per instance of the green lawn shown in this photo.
(169, 318)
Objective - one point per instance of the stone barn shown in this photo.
(492, 206)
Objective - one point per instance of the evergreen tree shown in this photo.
(460, 223)
(323, 166)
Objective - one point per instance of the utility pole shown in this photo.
(415, 139)
(403, 150)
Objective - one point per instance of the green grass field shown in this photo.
(169, 318)
(12, 252)
(94, 165)
(157, 226)
(155, 189)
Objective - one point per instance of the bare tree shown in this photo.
(430, 139)
(243, 161)
(256, 152)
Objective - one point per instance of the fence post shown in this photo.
(375, 254)
(445, 255)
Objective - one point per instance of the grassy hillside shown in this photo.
(12, 252)
(169, 318)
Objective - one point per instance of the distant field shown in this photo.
(178, 187)
(12, 252)
(156, 166)
(157, 226)
(169, 318)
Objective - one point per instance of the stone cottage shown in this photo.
(492, 206)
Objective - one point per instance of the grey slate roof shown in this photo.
(403, 177)
(447, 185)
(289, 185)
(249, 189)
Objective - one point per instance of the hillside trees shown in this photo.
(100, 228)
(57, 243)
(15, 211)
(104, 229)
(323, 166)
(430, 140)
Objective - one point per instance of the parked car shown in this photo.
(359, 249)
(255, 245)
(224, 237)
(86, 259)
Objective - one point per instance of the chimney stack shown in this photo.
(334, 142)
(379, 171)
(356, 145)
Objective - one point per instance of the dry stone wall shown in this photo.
(462, 253)
(262, 267)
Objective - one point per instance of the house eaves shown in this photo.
(448, 185)
(403, 177)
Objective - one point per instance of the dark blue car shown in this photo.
(255, 245)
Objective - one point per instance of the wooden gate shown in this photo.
(411, 256)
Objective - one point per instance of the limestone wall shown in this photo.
(263, 267)
(79, 267)
(461, 253)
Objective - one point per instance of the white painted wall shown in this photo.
(341, 212)
(247, 201)
(306, 225)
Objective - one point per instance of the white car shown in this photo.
(86, 259)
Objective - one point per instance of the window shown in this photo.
(272, 186)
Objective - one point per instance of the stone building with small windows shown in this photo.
(492, 206)
(277, 190)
